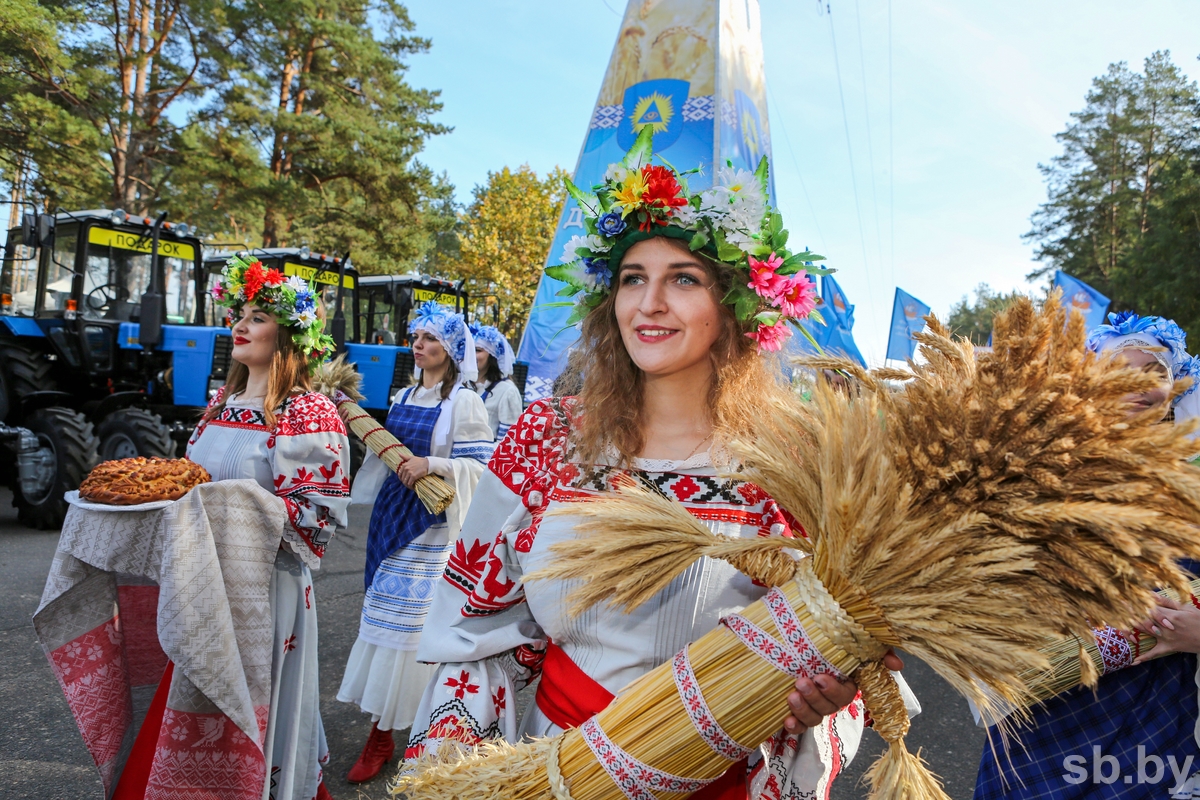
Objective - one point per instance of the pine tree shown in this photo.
(92, 110)
(1122, 207)
(338, 130)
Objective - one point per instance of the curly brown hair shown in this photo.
(611, 398)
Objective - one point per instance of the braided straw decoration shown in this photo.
(339, 381)
(435, 494)
(558, 784)
(852, 649)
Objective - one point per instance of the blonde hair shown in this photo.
(611, 398)
(288, 376)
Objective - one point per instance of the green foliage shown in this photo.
(974, 320)
(1123, 210)
(280, 124)
(504, 239)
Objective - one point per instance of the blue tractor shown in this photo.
(103, 350)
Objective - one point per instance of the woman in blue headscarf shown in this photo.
(445, 425)
(1137, 734)
(501, 397)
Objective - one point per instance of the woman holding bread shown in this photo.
(445, 425)
(265, 425)
(669, 373)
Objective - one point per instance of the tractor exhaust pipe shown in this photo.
(153, 310)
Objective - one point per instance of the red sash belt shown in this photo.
(568, 696)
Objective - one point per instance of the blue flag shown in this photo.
(907, 318)
(1083, 298)
(834, 337)
(839, 314)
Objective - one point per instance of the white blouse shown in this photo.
(302, 459)
(503, 405)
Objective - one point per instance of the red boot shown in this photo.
(322, 792)
(379, 751)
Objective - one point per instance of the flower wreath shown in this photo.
(1177, 360)
(731, 223)
(289, 300)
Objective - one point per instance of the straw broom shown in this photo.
(999, 499)
(338, 375)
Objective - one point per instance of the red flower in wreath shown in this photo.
(274, 277)
(661, 195)
(253, 280)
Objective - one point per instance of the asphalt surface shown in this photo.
(42, 756)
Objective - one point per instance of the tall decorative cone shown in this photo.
(692, 69)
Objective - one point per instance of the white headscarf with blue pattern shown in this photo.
(493, 341)
(1128, 331)
(451, 331)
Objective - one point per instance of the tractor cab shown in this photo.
(323, 273)
(104, 351)
(380, 348)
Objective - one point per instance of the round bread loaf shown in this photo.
(130, 481)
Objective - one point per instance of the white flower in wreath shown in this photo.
(616, 173)
(741, 203)
(592, 242)
(305, 318)
(687, 216)
(297, 283)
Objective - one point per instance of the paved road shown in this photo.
(42, 756)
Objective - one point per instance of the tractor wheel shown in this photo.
(27, 370)
(134, 432)
(68, 453)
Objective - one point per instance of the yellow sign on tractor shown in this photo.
(138, 243)
(310, 274)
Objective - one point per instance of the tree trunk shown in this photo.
(270, 211)
(1146, 178)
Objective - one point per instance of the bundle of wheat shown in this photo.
(337, 376)
(1075, 661)
(997, 500)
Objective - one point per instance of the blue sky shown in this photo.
(978, 91)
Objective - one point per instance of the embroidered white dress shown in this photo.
(301, 460)
(492, 627)
(503, 404)
(382, 674)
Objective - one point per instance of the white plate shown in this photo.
(73, 499)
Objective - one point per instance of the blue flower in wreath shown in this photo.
(611, 225)
(596, 273)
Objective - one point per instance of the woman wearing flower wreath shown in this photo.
(445, 425)
(501, 397)
(669, 373)
(266, 424)
(1142, 720)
